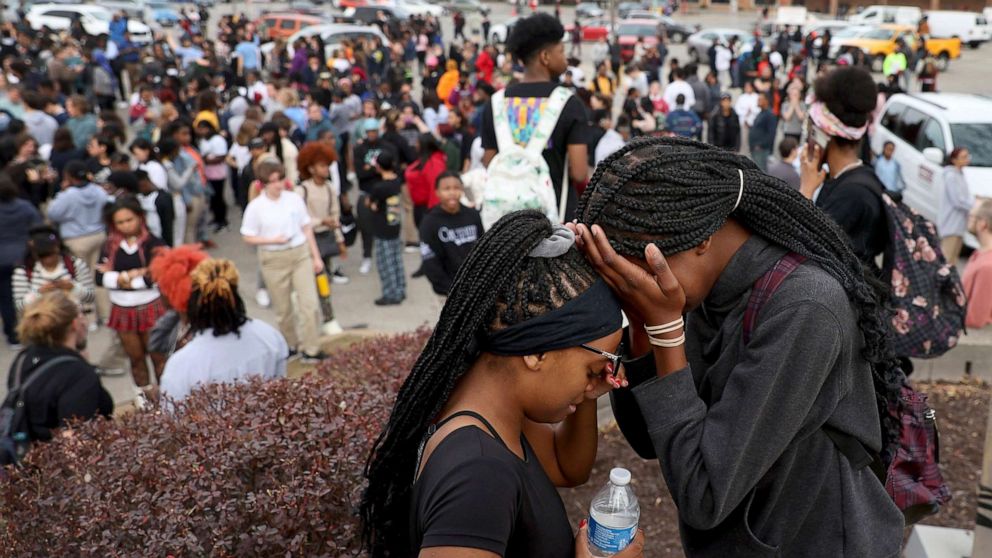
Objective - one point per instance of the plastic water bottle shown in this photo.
(613, 515)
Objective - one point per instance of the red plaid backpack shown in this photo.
(908, 465)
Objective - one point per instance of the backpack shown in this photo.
(518, 176)
(70, 267)
(908, 467)
(15, 438)
(926, 294)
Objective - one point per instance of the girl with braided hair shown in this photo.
(226, 344)
(469, 461)
(747, 403)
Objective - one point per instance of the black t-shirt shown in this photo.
(572, 129)
(474, 492)
(854, 201)
(445, 242)
(388, 212)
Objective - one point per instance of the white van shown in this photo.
(971, 27)
(925, 127)
(877, 15)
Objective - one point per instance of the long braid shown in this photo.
(496, 286)
(676, 193)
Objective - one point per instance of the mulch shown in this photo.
(962, 415)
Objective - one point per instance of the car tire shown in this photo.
(975, 44)
(677, 37)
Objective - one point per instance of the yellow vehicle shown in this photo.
(881, 41)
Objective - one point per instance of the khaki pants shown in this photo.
(409, 228)
(193, 214)
(286, 272)
(951, 247)
(87, 248)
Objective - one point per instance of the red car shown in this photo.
(594, 30)
(631, 30)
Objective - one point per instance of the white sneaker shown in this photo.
(140, 399)
(93, 326)
(411, 250)
(332, 328)
(366, 266)
(340, 278)
(262, 298)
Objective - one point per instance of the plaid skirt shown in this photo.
(136, 319)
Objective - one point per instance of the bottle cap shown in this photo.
(620, 476)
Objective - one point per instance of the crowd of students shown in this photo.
(317, 149)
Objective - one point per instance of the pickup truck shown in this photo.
(880, 42)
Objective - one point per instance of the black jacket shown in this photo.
(725, 131)
(67, 391)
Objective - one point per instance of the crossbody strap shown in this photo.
(501, 123)
(38, 372)
(765, 287)
(547, 120)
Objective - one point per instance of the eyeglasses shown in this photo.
(615, 359)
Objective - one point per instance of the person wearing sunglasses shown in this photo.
(500, 407)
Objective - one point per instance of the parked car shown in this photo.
(971, 27)
(675, 31)
(588, 10)
(422, 8)
(366, 15)
(818, 27)
(307, 7)
(878, 15)
(699, 43)
(629, 31)
(282, 25)
(95, 20)
(925, 128)
(625, 8)
(332, 34)
(464, 6)
(592, 31)
(880, 42)
(345, 4)
(163, 15)
(499, 32)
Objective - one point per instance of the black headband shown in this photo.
(591, 315)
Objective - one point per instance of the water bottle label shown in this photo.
(608, 539)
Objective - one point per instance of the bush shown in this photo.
(253, 469)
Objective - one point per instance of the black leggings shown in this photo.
(217, 204)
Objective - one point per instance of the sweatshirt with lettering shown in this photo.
(445, 241)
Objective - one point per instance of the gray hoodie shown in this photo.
(78, 210)
(739, 431)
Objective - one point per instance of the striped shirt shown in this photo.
(27, 291)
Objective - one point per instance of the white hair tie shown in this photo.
(740, 193)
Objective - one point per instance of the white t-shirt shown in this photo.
(241, 154)
(676, 88)
(156, 173)
(215, 146)
(286, 216)
(746, 108)
(723, 57)
(259, 350)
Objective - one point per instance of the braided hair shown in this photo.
(677, 192)
(214, 302)
(497, 286)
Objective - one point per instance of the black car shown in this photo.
(366, 15)
(624, 8)
(675, 31)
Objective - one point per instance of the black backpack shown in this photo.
(15, 438)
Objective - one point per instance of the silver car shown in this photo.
(699, 43)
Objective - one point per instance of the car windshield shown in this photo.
(637, 30)
(978, 139)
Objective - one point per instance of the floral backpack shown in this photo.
(519, 177)
(926, 295)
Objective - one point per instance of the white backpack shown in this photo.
(519, 177)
